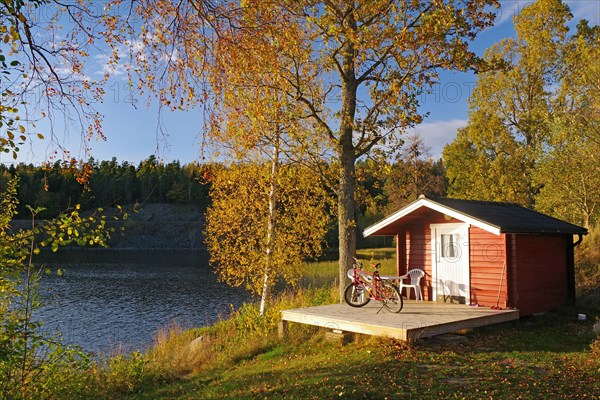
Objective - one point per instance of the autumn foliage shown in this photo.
(237, 223)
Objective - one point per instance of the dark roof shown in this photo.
(509, 217)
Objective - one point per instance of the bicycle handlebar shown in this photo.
(359, 264)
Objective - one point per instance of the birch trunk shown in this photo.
(270, 224)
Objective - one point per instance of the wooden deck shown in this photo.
(416, 320)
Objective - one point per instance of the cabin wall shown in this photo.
(489, 275)
(418, 252)
(418, 255)
(401, 253)
(540, 264)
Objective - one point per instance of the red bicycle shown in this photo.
(366, 286)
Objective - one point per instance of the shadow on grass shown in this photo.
(545, 356)
(557, 331)
(377, 369)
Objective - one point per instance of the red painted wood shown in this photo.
(418, 254)
(489, 278)
(541, 266)
(516, 270)
(401, 253)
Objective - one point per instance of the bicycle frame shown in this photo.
(366, 286)
(361, 277)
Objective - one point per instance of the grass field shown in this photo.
(549, 356)
(325, 273)
(545, 357)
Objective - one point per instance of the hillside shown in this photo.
(162, 226)
(154, 226)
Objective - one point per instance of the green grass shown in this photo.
(325, 273)
(549, 356)
(545, 357)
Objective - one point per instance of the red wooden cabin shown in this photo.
(485, 253)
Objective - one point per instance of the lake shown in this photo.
(110, 298)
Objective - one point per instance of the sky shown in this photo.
(134, 130)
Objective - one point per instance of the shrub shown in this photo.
(587, 268)
(34, 364)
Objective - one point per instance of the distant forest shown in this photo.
(382, 186)
(55, 187)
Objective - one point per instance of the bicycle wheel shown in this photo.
(392, 300)
(356, 296)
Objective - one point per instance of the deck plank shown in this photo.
(416, 320)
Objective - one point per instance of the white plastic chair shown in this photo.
(415, 276)
(350, 275)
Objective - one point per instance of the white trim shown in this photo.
(433, 206)
(394, 217)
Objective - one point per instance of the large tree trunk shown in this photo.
(270, 225)
(346, 212)
(347, 158)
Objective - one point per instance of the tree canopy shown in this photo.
(532, 136)
(354, 71)
(43, 74)
(239, 214)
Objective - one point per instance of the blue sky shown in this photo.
(135, 132)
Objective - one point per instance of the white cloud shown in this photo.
(65, 71)
(124, 52)
(508, 10)
(586, 9)
(136, 46)
(116, 69)
(173, 56)
(438, 134)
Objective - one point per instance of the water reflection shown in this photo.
(101, 306)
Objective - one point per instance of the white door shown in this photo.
(450, 262)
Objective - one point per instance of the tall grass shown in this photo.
(589, 250)
(587, 275)
(325, 273)
(245, 333)
(241, 336)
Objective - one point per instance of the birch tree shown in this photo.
(238, 221)
(256, 124)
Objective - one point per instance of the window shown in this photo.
(449, 243)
